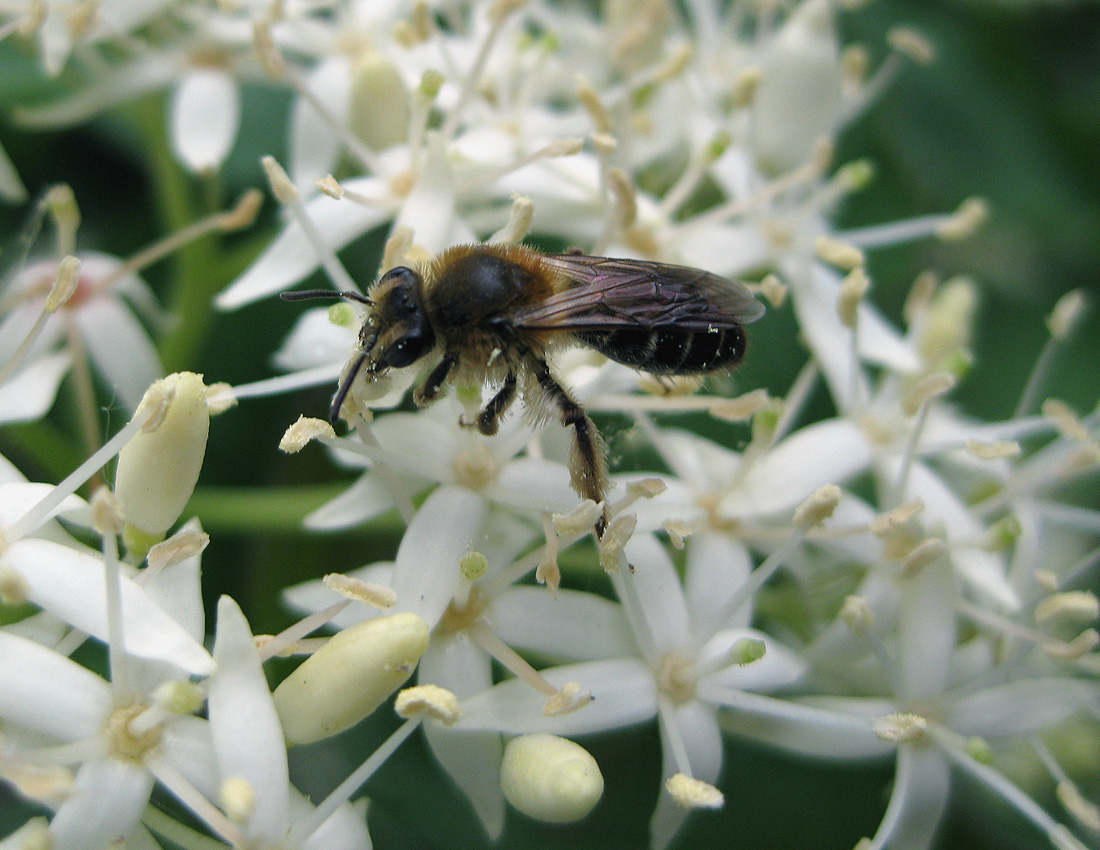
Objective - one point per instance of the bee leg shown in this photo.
(488, 420)
(587, 464)
(429, 391)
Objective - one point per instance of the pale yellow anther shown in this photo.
(996, 450)
(1066, 313)
(965, 222)
(774, 290)
(1080, 646)
(271, 60)
(501, 9)
(107, 518)
(64, 285)
(438, 703)
(281, 185)
(590, 100)
(912, 44)
(185, 543)
(923, 554)
(615, 537)
(900, 728)
(837, 253)
(645, 488)
(855, 61)
(855, 176)
(238, 799)
(604, 143)
(220, 397)
(244, 213)
(678, 531)
(379, 596)
(625, 198)
(694, 793)
(852, 290)
(1047, 581)
(886, 523)
(818, 508)
(1085, 812)
(857, 615)
(579, 520)
(1062, 417)
(568, 699)
(330, 186)
(670, 386)
(303, 432)
(742, 408)
(61, 203)
(519, 222)
(1079, 606)
(926, 389)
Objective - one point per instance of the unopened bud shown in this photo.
(350, 676)
(159, 467)
(550, 779)
(380, 105)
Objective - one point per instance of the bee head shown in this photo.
(397, 332)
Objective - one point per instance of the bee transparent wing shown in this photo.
(611, 294)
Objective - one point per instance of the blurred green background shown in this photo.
(1010, 111)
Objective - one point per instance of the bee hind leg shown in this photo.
(587, 463)
(429, 391)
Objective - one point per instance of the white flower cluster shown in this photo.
(938, 575)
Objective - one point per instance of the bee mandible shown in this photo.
(495, 313)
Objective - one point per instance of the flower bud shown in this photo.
(550, 779)
(379, 102)
(158, 468)
(349, 677)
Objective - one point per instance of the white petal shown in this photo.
(623, 689)
(783, 478)
(178, 590)
(569, 625)
(70, 585)
(188, 745)
(291, 257)
(921, 787)
(447, 526)
(314, 147)
(807, 727)
(120, 348)
(314, 341)
(205, 115)
(429, 209)
(31, 391)
(660, 592)
(1019, 708)
(471, 758)
(344, 829)
(247, 735)
(717, 564)
(533, 484)
(927, 632)
(106, 802)
(365, 499)
(18, 497)
(45, 691)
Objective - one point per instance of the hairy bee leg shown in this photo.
(429, 391)
(488, 420)
(587, 464)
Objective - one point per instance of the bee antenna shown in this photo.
(313, 294)
(344, 388)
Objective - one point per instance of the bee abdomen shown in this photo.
(669, 351)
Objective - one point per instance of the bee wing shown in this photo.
(610, 294)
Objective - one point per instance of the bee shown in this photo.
(495, 313)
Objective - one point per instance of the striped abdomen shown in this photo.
(669, 351)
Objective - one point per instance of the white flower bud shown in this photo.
(550, 779)
(797, 99)
(158, 468)
(349, 677)
(380, 102)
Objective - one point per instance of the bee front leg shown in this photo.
(587, 463)
(429, 391)
(488, 420)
